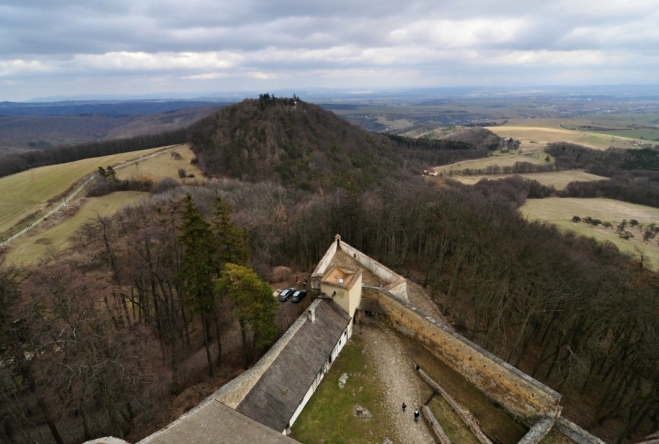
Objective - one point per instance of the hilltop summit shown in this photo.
(296, 142)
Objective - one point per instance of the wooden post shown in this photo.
(461, 411)
(434, 424)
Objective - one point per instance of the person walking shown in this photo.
(416, 415)
(404, 407)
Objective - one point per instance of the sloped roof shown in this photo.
(215, 423)
(280, 390)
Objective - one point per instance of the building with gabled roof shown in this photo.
(280, 394)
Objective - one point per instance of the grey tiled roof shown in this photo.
(275, 397)
(216, 423)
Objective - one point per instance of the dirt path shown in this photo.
(400, 384)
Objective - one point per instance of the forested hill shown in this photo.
(308, 147)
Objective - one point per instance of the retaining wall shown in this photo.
(521, 395)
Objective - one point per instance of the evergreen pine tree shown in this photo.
(197, 266)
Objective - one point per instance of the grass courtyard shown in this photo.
(328, 417)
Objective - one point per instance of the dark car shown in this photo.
(299, 295)
(284, 295)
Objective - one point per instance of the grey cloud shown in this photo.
(203, 43)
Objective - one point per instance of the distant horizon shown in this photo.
(345, 94)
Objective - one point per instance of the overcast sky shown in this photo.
(77, 47)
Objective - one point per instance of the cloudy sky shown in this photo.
(101, 47)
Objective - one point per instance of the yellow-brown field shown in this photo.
(558, 180)
(163, 166)
(500, 160)
(560, 211)
(32, 189)
(29, 191)
(29, 248)
(535, 134)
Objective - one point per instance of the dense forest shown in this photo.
(604, 162)
(141, 305)
(633, 174)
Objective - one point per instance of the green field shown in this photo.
(560, 211)
(558, 180)
(29, 191)
(29, 248)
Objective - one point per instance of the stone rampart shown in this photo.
(233, 392)
(322, 266)
(398, 288)
(521, 395)
(396, 284)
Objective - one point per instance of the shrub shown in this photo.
(103, 187)
(163, 185)
(280, 274)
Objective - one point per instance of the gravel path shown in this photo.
(399, 383)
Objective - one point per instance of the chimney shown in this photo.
(338, 240)
(311, 314)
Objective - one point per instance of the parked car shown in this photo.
(298, 295)
(284, 295)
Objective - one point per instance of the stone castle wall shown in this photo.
(521, 395)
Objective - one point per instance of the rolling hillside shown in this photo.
(305, 146)
(298, 142)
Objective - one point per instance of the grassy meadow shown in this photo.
(558, 180)
(560, 211)
(29, 191)
(163, 166)
(628, 126)
(500, 160)
(328, 417)
(52, 236)
(537, 138)
(537, 133)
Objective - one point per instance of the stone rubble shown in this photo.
(342, 380)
